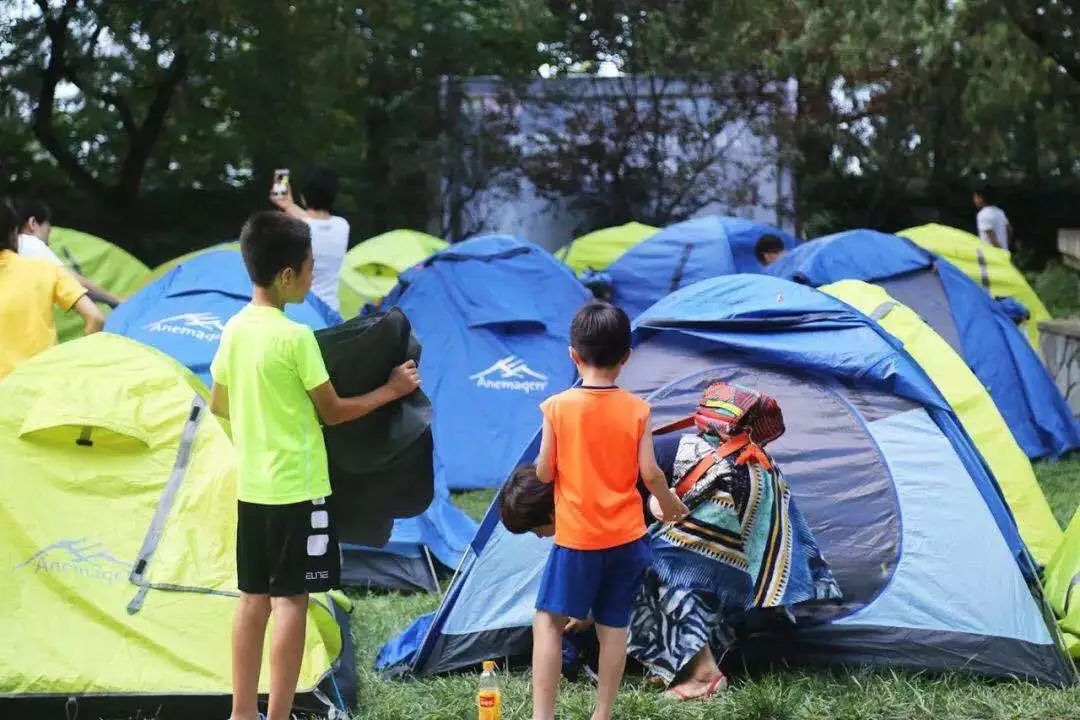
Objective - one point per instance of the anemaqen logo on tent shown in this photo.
(199, 325)
(81, 556)
(511, 373)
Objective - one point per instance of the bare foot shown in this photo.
(696, 689)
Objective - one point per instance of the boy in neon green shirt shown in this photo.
(271, 383)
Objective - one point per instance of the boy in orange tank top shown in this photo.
(596, 442)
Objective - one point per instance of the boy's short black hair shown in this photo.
(320, 187)
(9, 226)
(525, 503)
(983, 190)
(30, 208)
(271, 241)
(600, 334)
(767, 243)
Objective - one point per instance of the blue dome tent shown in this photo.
(962, 313)
(183, 312)
(684, 253)
(934, 574)
(493, 314)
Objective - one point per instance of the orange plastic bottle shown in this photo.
(489, 695)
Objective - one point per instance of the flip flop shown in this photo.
(718, 684)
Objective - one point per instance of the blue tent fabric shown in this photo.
(183, 312)
(1014, 309)
(401, 648)
(879, 464)
(742, 236)
(855, 254)
(977, 326)
(493, 314)
(684, 253)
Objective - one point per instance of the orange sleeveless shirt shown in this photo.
(597, 434)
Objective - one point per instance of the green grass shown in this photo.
(474, 502)
(1061, 483)
(785, 694)
(1059, 288)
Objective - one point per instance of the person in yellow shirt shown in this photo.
(29, 288)
(35, 219)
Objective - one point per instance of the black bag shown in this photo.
(381, 465)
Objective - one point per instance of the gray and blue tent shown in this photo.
(933, 570)
(976, 326)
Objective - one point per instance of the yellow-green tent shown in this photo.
(973, 406)
(990, 266)
(371, 268)
(117, 542)
(99, 261)
(599, 249)
(165, 267)
(1062, 584)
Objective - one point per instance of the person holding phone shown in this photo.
(329, 233)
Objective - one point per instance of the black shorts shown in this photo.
(285, 550)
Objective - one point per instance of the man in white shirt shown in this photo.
(994, 227)
(36, 224)
(329, 233)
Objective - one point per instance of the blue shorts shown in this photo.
(603, 582)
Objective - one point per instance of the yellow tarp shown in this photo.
(89, 435)
(599, 249)
(371, 269)
(1062, 584)
(989, 266)
(972, 405)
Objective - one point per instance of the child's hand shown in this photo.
(672, 508)
(404, 379)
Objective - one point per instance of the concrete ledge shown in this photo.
(1069, 246)
(1061, 352)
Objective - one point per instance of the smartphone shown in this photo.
(280, 187)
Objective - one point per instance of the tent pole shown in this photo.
(431, 567)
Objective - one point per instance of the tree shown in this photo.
(901, 106)
(100, 79)
(178, 98)
(418, 50)
(168, 116)
(1054, 26)
(653, 149)
(480, 153)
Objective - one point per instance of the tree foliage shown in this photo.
(137, 115)
(653, 149)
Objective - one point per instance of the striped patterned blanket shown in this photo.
(744, 540)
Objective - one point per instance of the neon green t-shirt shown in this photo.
(269, 363)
